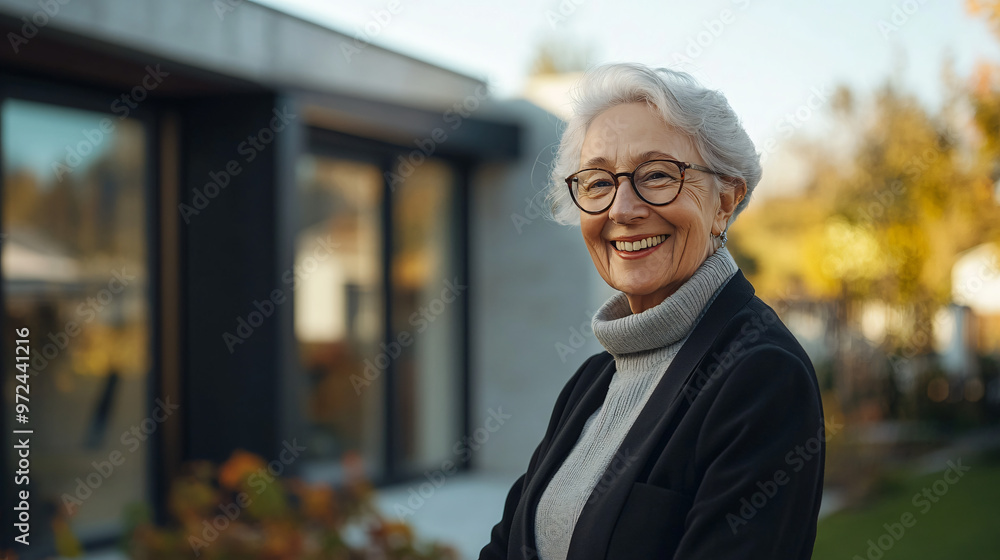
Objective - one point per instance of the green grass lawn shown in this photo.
(964, 523)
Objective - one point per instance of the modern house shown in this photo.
(236, 229)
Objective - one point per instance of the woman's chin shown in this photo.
(637, 288)
(639, 282)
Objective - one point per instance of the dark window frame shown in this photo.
(98, 99)
(328, 143)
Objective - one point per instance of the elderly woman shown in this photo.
(699, 433)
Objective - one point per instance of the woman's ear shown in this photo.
(731, 193)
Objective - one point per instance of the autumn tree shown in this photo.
(984, 96)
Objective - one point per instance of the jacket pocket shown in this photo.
(651, 523)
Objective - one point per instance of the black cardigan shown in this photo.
(724, 462)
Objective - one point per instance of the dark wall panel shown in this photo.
(229, 262)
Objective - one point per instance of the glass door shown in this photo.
(379, 304)
(338, 313)
(73, 256)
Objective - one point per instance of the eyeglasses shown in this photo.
(656, 182)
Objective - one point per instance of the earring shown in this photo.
(721, 238)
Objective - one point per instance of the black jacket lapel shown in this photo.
(557, 452)
(592, 533)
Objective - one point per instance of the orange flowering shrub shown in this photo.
(241, 511)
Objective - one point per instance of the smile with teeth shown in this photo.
(630, 246)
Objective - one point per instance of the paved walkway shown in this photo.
(962, 448)
(461, 512)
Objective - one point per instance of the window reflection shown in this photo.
(340, 316)
(427, 299)
(338, 311)
(74, 272)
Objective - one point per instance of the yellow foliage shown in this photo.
(884, 221)
(851, 252)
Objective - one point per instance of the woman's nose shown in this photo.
(627, 205)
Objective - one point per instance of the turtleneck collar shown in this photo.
(622, 332)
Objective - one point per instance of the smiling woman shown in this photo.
(656, 444)
(678, 205)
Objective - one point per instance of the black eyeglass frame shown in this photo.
(682, 165)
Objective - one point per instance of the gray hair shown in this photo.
(683, 103)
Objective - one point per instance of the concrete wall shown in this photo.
(534, 285)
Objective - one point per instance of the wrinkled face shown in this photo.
(679, 233)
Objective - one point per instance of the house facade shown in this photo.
(236, 229)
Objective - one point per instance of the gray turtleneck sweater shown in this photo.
(643, 345)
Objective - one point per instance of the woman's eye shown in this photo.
(654, 177)
(596, 185)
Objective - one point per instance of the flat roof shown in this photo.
(251, 42)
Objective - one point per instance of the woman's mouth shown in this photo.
(638, 248)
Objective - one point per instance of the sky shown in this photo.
(42, 136)
(776, 61)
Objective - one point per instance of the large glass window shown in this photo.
(427, 298)
(74, 254)
(375, 387)
(339, 310)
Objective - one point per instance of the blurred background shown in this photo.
(291, 292)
